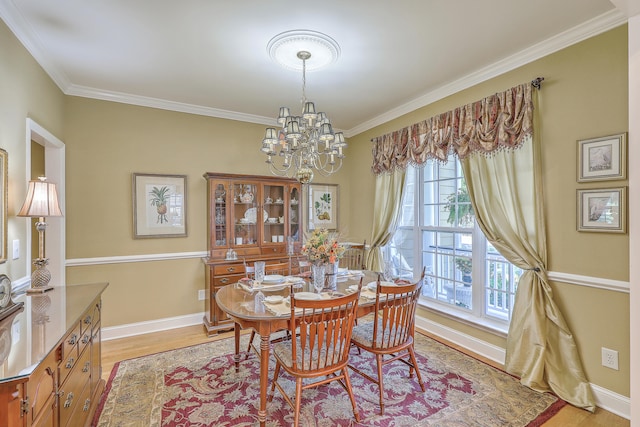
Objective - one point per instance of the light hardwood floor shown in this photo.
(126, 348)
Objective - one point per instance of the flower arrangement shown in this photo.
(322, 247)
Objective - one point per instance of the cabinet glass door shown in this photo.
(295, 220)
(220, 214)
(246, 213)
(274, 208)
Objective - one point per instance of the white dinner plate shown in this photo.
(294, 279)
(307, 295)
(273, 278)
(374, 285)
(273, 299)
(251, 215)
(342, 271)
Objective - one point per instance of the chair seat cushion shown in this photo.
(363, 335)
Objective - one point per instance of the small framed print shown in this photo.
(603, 210)
(323, 207)
(159, 205)
(603, 158)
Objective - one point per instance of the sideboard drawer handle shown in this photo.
(231, 269)
(87, 404)
(224, 280)
(85, 339)
(87, 320)
(69, 364)
(86, 367)
(73, 340)
(69, 400)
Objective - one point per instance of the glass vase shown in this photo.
(317, 275)
(331, 273)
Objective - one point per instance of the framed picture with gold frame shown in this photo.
(159, 205)
(603, 210)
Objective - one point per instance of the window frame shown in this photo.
(477, 315)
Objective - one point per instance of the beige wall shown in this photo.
(26, 91)
(584, 95)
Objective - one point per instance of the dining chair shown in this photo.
(249, 270)
(282, 268)
(304, 267)
(353, 257)
(391, 331)
(322, 330)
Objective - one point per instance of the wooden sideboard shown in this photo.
(52, 374)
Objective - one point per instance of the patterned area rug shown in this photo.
(198, 386)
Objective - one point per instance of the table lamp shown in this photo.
(41, 202)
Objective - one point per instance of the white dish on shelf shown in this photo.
(307, 296)
(273, 278)
(251, 215)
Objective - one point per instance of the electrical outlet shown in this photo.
(609, 358)
(201, 295)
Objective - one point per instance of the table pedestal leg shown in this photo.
(264, 378)
(236, 356)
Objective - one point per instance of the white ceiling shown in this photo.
(209, 56)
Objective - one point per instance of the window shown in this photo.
(465, 274)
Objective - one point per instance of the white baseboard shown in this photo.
(133, 329)
(605, 399)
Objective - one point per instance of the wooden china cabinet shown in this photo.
(255, 218)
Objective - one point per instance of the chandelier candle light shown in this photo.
(304, 143)
(41, 202)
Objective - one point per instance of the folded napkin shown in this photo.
(364, 292)
(281, 308)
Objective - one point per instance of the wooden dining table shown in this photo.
(239, 302)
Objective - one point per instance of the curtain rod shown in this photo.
(537, 82)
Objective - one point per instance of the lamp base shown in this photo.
(40, 277)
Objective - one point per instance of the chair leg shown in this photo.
(412, 354)
(296, 418)
(273, 383)
(380, 383)
(347, 380)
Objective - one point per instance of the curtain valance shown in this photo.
(497, 122)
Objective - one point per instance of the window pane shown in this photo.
(501, 284)
(400, 252)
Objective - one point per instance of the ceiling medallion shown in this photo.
(284, 47)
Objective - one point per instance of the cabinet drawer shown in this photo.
(71, 391)
(226, 280)
(228, 269)
(69, 352)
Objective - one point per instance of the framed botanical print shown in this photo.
(603, 210)
(603, 158)
(159, 205)
(323, 206)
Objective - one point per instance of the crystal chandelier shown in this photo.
(304, 144)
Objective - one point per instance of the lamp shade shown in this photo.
(42, 200)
